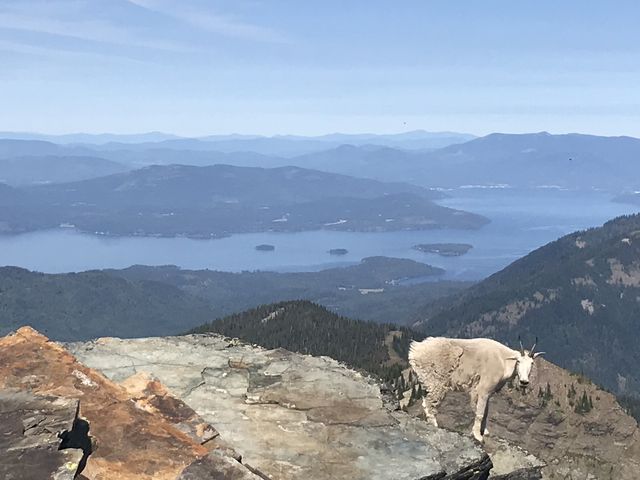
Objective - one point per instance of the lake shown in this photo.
(521, 221)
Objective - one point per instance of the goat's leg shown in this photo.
(430, 403)
(483, 426)
(429, 412)
(481, 414)
(473, 397)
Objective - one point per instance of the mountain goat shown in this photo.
(480, 366)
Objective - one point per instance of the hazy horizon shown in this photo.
(239, 133)
(286, 134)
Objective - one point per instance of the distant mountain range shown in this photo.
(522, 160)
(221, 200)
(630, 197)
(278, 145)
(90, 138)
(34, 170)
(130, 156)
(32, 148)
(527, 160)
(580, 295)
(180, 186)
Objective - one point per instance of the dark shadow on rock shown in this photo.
(78, 437)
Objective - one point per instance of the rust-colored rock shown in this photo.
(153, 397)
(152, 436)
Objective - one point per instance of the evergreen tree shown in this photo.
(305, 327)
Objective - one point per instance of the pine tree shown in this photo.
(584, 404)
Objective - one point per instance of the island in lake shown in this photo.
(444, 249)
(265, 247)
(338, 251)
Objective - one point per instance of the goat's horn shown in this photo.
(533, 349)
(521, 347)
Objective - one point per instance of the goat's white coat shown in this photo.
(480, 366)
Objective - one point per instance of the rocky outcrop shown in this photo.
(29, 442)
(137, 432)
(282, 416)
(291, 416)
(578, 430)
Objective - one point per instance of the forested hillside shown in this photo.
(145, 301)
(78, 306)
(341, 289)
(580, 295)
(305, 327)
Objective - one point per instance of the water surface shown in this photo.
(521, 221)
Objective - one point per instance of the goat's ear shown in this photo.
(513, 358)
(538, 354)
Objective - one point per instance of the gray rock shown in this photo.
(520, 474)
(292, 416)
(29, 443)
(216, 467)
(511, 462)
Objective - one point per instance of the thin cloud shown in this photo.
(46, 52)
(226, 25)
(82, 29)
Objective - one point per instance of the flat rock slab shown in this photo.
(28, 437)
(291, 416)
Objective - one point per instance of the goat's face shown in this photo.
(524, 364)
(523, 368)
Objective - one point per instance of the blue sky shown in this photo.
(196, 67)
